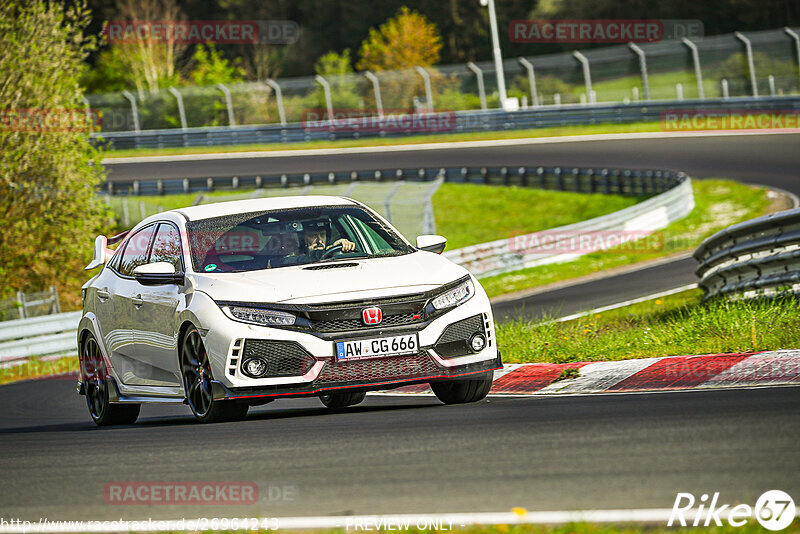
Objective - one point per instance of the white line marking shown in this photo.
(430, 146)
(623, 304)
(359, 522)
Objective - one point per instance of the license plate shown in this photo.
(380, 346)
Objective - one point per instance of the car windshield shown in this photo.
(279, 238)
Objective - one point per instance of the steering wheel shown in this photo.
(331, 251)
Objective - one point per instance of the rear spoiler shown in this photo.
(101, 251)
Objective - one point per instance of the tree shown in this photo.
(210, 68)
(49, 172)
(405, 41)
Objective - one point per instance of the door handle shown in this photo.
(103, 294)
(137, 301)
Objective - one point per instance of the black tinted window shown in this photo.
(167, 246)
(135, 252)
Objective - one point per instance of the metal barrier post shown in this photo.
(181, 111)
(479, 74)
(279, 99)
(326, 88)
(698, 72)
(587, 75)
(748, 47)
(134, 110)
(531, 80)
(376, 88)
(228, 102)
(427, 79)
(643, 67)
(796, 38)
(725, 93)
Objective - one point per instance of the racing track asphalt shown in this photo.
(767, 159)
(404, 454)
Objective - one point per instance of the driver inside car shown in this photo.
(315, 234)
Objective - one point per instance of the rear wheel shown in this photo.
(95, 373)
(342, 399)
(197, 377)
(462, 391)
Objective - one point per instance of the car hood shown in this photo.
(361, 279)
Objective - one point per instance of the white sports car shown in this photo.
(230, 305)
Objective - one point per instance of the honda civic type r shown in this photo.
(231, 305)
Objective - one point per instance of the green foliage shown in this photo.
(337, 70)
(111, 73)
(211, 68)
(49, 212)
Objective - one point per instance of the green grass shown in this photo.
(675, 325)
(387, 141)
(718, 204)
(468, 214)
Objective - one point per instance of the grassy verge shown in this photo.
(718, 204)
(675, 325)
(35, 368)
(384, 141)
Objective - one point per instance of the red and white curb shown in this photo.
(776, 368)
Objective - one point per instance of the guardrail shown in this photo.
(39, 336)
(444, 123)
(755, 258)
(621, 228)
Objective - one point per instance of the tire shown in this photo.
(197, 377)
(342, 399)
(95, 374)
(463, 391)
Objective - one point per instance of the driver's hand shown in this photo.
(347, 246)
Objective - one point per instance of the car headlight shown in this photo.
(455, 296)
(261, 316)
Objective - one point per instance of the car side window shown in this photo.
(167, 246)
(136, 250)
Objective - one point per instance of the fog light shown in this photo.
(477, 342)
(255, 367)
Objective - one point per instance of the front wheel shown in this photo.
(95, 373)
(342, 399)
(196, 371)
(463, 391)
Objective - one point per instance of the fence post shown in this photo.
(228, 102)
(481, 90)
(134, 110)
(426, 77)
(56, 304)
(587, 75)
(21, 300)
(698, 72)
(181, 111)
(748, 47)
(279, 99)
(796, 38)
(531, 80)
(725, 93)
(679, 91)
(771, 80)
(643, 68)
(376, 88)
(326, 88)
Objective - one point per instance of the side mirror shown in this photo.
(431, 243)
(158, 273)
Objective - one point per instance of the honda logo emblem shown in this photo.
(372, 316)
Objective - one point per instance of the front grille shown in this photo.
(284, 358)
(398, 367)
(343, 325)
(454, 341)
